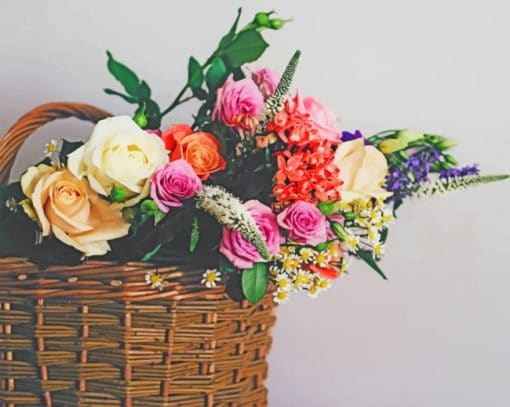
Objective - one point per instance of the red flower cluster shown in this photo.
(306, 171)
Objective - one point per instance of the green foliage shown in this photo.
(150, 254)
(368, 258)
(127, 78)
(118, 194)
(254, 282)
(216, 74)
(229, 36)
(195, 74)
(149, 208)
(225, 266)
(247, 46)
(140, 117)
(148, 114)
(194, 236)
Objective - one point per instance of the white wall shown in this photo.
(436, 334)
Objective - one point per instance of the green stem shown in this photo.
(177, 101)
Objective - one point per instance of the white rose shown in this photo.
(119, 153)
(362, 169)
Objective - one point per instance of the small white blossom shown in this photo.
(211, 277)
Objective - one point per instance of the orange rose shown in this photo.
(201, 150)
(177, 131)
(72, 211)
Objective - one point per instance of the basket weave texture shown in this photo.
(97, 335)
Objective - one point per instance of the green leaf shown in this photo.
(195, 236)
(199, 93)
(254, 282)
(124, 75)
(127, 98)
(384, 235)
(144, 91)
(216, 74)
(248, 46)
(367, 257)
(150, 254)
(225, 266)
(228, 37)
(195, 74)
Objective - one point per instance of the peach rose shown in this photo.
(362, 170)
(72, 211)
(201, 150)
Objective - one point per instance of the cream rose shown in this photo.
(119, 153)
(70, 210)
(362, 169)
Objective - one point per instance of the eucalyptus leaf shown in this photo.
(124, 75)
(254, 282)
(248, 46)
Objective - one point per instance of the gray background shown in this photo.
(436, 334)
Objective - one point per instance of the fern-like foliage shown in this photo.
(444, 185)
(230, 212)
(276, 101)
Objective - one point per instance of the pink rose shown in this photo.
(174, 183)
(323, 118)
(238, 104)
(266, 79)
(242, 253)
(304, 222)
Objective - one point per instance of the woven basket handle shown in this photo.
(31, 121)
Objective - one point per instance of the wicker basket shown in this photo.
(97, 335)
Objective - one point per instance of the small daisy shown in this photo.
(155, 280)
(282, 282)
(11, 204)
(322, 258)
(313, 291)
(375, 217)
(378, 250)
(352, 242)
(281, 296)
(323, 284)
(346, 262)
(274, 270)
(302, 279)
(291, 263)
(373, 235)
(50, 148)
(211, 277)
(307, 254)
(387, 216)
(334, 249)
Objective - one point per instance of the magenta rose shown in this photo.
(323, 118)
(304, 223)
(238, 104)
(266, 79)
(174, 183)
(242, 253)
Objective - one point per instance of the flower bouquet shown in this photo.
(133, 237)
